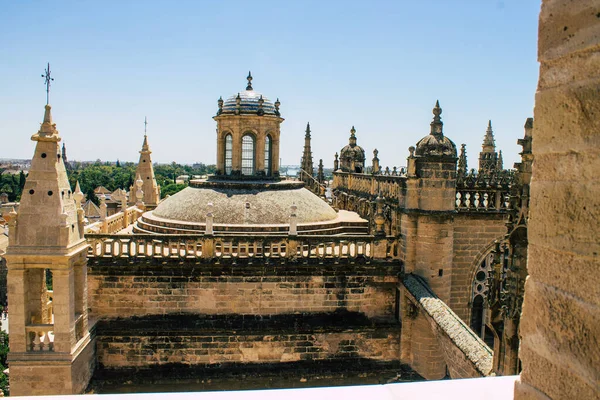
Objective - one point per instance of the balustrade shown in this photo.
(146, 246)
(40, 337)
(482, 200)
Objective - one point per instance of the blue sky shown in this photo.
(377, 65)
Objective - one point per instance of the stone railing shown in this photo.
(475, 192)
(390, 186)
(313, 185)
(223, 248)
(115, 222)
(484, 192)
(40, 337)
(495, 200)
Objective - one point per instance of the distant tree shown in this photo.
(22, 179)
(118, 165)
(171, 189)
(3, 353)
(92, 196)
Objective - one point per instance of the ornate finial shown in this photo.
(238, 104)
(220, 104)
(336, 162)
(352, 131)
(307, 129)
(500, 162)
(145, 125)
(249, 87)
(47, 80)
(375, 169)
(261, 101)
(209, 219)
(462, 160)
(78, 195)
(293, 220)
(437, 124)
(277, 104)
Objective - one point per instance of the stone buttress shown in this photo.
(427, 229)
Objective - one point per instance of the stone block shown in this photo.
(551, 379)
(566, 71)
(567, 27)
(569, 119)
(565, 271)
(562, 329)
(566, 217)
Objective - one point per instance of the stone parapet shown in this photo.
(465, 354)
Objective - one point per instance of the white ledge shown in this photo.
(494, 388)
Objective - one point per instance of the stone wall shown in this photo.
(474, 235)
(160, 341)
(560, 324)
(126, 290)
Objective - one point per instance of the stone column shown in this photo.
(64, 309)
(17, 292)
(275, 156)
(220, 152)
(259, 153)
(560, 322)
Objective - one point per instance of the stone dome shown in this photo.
(436, 144)
(239, 203)
(432, 145)
(352, 156)
(249, 104)
(355, 152)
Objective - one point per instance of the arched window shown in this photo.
(228, 153)
(248, 155)
(268, 155)
(479, 296)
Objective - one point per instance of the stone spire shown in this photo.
(146, 172)
(488, 158)
(47, 194)
(64, 155)
(462, 160)
(47, 233)
(320, 173)
(307, 160)
(489, 144)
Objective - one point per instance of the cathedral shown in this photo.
(406, 274)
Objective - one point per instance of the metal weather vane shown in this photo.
(47, 80)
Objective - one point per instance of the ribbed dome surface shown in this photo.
(249, 103)
(431, 145)
(268, 204)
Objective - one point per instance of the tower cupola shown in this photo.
(248, 129)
